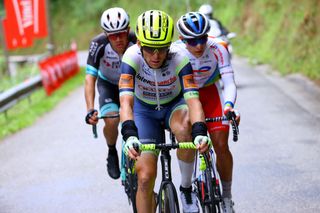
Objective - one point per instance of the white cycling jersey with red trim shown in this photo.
(213, 65)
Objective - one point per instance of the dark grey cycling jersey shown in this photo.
(103, 61)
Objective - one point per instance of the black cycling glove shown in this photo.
(90, 114)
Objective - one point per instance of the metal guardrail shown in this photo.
(10, 97)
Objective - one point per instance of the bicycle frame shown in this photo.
(165, 159)
(167, 187)
(206, 182)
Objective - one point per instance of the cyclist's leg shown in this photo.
(146, 168)
(109, 104)
(219, 133)
(180, 125)
(224, 160)
(150, 130)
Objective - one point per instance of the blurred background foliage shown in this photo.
(281, 33)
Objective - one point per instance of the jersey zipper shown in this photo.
(157, 90)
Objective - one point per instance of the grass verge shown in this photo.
(27, 111)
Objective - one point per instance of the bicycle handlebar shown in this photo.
(231, 116)
(152, 147)
(94, 127)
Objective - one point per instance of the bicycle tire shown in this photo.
(168, 200)
(210, 203)
(132, 184)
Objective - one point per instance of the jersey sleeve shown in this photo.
(129, 67)
(189, 87)
(96, 51)
(227, 75)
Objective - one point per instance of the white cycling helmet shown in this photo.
(206, 9)
(114, 20)
(193, 25)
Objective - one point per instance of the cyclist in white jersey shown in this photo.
(103, 67)
(216, 27)
(157, 91)
(210, 62)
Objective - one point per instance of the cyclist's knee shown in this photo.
(146, 181)
(112, 122)
(182, 130)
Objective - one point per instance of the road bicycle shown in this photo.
(208, 192)
(128, 174)
(129, 180)
(167, 198)
(206, 181)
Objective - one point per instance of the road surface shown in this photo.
(56, 165)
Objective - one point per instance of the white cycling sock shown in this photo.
(226, 189)
(186, 170)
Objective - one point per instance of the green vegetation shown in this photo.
(26, 112)
(283, 33)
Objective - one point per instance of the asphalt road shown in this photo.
(57, 166)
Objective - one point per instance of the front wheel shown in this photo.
(209, 190)
(131, 183)
(168, 201)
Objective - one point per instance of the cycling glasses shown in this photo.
(195, 41)
(153, 50)
(114, 36)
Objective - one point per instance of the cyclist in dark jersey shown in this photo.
(157, 89)
(103, 67)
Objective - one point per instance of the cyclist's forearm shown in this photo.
(126, 112)
(195, 110)
(90, 91)
(230, 89)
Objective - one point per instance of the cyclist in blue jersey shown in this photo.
(103, 66)
(157, 91)
(211, 63)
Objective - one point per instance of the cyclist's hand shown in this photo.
(228, 109)
(237, 113)
(92, 117)
(202, 143)
(128, 147)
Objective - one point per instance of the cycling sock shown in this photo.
(112, 148)
(226, 189)
(186, 170)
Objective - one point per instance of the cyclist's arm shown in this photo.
(126, 89)
(227, 76)
(230, 89)
(89, 91)
(191, 94)
(93, 61)
(224, 30)
(195, 110)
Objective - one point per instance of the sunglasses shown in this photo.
(114, 36)
(195, 41)
(152, 50)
